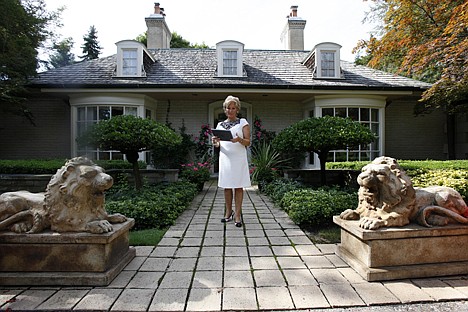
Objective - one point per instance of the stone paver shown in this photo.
(202, 264)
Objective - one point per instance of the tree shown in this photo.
(176, 42)
(130, 135)
(91, 48)
(63, 55)
(322, 135)
(425, 40)
(24, 26)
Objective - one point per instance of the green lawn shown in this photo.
(149, 237)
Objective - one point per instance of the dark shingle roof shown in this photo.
(197, 68)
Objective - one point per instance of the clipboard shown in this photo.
(223, 135)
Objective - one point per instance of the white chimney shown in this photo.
(293, 33)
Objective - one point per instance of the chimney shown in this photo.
(293, 33)
(158, 34)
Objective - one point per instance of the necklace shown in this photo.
(227, 124)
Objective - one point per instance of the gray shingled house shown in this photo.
(187, 86)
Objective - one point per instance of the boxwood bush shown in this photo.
(424, 173)
(50, 166)
(153, 206)
(315, 208)
(276, 189)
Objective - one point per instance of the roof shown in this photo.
(177, 68)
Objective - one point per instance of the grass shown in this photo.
(326, 235)
(149, 237)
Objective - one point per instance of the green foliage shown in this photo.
(408, 165)
(266, 164)
(424, 173)
(50, 166)
(322, 135)
(24, 26)
(424, 40)
(203, 146)
(130, 135)
(260, 134)
(149, 237)
(153, 206)
(196, 172)
(171, 157)
(351, 165)
(63, 55)
(90, 47)
(454, 178)
(316, 208)
(127, 133)
(176, 42)
(31, 166)
(277, 188)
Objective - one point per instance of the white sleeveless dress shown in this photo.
(233, 165)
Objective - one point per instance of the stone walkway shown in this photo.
(204, 265)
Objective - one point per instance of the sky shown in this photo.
(256, 23)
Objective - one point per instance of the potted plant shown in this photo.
(196, 172)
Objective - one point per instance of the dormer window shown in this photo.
(229, 55)
(324, 61)
(327, 64)
(132, 59)
(129, 62)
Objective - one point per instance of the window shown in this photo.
(324, 61)
(229, 56)
(87, 116)
(130, 62)
(132, 59)
(366, 116)
(230, 63)
(327, 64)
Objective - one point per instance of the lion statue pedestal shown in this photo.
(64, 236)
(399, 231)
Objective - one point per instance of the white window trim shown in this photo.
(327, 47)
(141, 102)
(376, 102)
(230, 45)
(131, 45)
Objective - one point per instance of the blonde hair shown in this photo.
(232, 99)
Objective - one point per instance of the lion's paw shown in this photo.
(371, 223)
(349, 214)
(98, 227)
(116, 218)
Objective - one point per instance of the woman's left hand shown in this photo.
(236, 140)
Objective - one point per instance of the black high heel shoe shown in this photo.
(224, 220)
(238, 223)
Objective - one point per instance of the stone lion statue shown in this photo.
(387, 198)
(73, 202)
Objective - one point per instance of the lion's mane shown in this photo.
(75, 195)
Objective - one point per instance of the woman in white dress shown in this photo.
(233, 164)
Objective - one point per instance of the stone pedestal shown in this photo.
(65, 259)
(411, 251)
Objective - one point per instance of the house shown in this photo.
(187, 87)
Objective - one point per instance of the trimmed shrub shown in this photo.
(316, 208)
(457, 179)
(50, 166)
(276, 189)
(151, 207)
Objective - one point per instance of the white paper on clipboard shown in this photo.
(223, 135)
